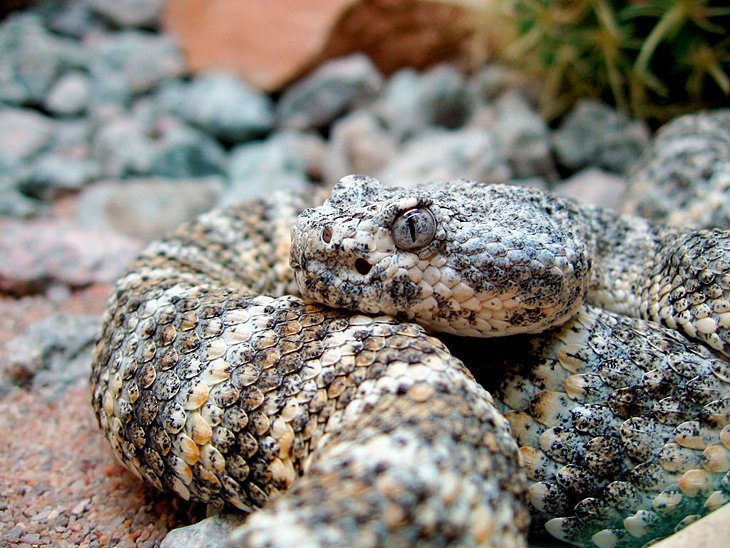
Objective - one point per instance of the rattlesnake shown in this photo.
(212, 379)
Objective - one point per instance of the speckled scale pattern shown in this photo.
(622, 427)
(207, 388)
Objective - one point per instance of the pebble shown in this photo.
(24, 134)
(286, 161)
(438, 155)
(358, 144)
(39, 253)
(524, 136)
(145, 208)
(182, 152)
(53, 175)
(594, 134)
(33, 59)
(52, 354)
(333, 89)
(129, 13)
(208, 533)
(131, 62)
(69, 96)
(594, 186)
(121, 147)
(226, 108)
(412, 102)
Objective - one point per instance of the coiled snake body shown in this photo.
(217, 377)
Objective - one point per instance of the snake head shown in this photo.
(457, 257)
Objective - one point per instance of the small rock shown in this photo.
(330, 91)
(208, 533)
(122, 148)
(131, 62)
(225, 107)
(70, 94)
(15, 204)
(36, 254)
(438, 155)
(594, 186)
(413, 102)
(285, 161)
(183, 152)
(594, 134)
(145, 208)
(358, 144)
(129, 13)
(24, 133)
(74, 19)
(52, 175)
(524, 137)
(494, 79)
(54, 352)
(33, 59)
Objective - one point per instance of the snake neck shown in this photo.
(679, 278)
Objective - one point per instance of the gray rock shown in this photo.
(15, 204)
(73, 19)
(358, 144)
(182, 152)
(69, 95)
(24, 134)
(225, 107)
(38, 254)
(131, 62)
(438, 155)
(413, 102)
(121, 148)
(129, 13)
(145, 208)
(285, 161)
(53, 354)
(52, 175)
(211, 532)
(495, 79)
(524, 137)
(594, 186)
(32, 59)
(334, 88)
(594, 134)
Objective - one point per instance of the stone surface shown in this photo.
(412, 102)
(236, 36)
(15, 204)
(122, 148)
(594, 186)
(358, 144)
(594, 134)
(287, 160)
(225, 107)
(145, 208)
(524, 137)
(211, 532)
(131, 62)
(53, 175)
(32, 59)
(52, 354)
(333, 89)
(69, 95)
(438, 155)
(24, 134)
(37, 255)
(129, 13)
(182, 152)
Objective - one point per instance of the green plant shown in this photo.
(652, 58)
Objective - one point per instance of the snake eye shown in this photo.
(413, 229)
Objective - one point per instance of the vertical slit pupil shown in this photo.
(411, 227)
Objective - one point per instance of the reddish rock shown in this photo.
(40, 254)
(271, 43)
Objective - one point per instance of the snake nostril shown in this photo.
(327, 234)
(362, 266)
